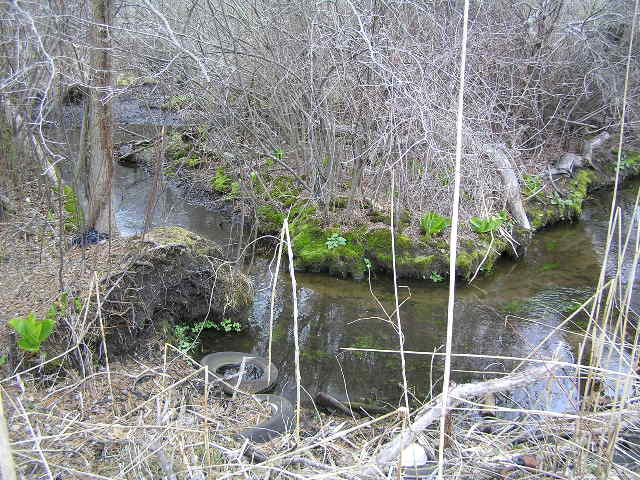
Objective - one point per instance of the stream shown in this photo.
(505, 314)
(502, 315)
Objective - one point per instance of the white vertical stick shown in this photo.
(395, 293)
(453, 242)
(295, 326)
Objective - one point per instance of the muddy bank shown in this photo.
(171, 278)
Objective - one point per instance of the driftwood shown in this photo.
(570, 161)
(511, 185)
(432, 412)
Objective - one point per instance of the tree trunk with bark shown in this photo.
(95, 170)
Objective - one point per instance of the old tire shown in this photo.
(280, 421)
(256, 380)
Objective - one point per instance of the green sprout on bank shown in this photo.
(186, 336)
(335, 240)
(433, 223)
(436, 277)
(532, 184)
(34, 331)
(488, 224)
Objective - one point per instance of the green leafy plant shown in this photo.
(436, 277)
(221, 182)
(367, 263)
(73, 213)
(3, 359)
(278, 153)
(488, 224)
(186, 336)
(229, 325)
(335, 240)
(33, 331)
(532, 184)
(433, 223)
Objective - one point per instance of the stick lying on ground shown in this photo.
(429, 413)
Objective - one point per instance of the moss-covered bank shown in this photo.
(367, 248)
(365, 245)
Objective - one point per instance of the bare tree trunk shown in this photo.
(100, 165)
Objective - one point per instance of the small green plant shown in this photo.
(367, 263)
(192, 161)
(221, 182)
(628, 159)
(488, 224)
(229, 325)
(3, 360)
(186, 336)
(33, 331)
(278, 153)
(532, 184)
(73, 217)
(335, 240)
(436, 277)
(184, 341)
(433, 223)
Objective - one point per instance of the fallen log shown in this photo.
(433, 411)
(511, 185)
(571, 161)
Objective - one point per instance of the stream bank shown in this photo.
(350, 241)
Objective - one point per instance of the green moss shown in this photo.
(379, 239)
(312, 254)
(269, 219)
(285, 191)
(178, 235)
(547, 210)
